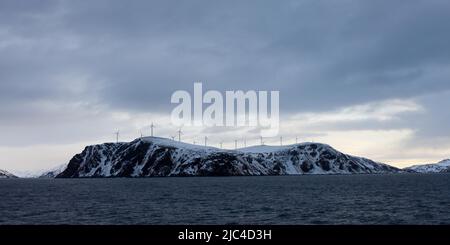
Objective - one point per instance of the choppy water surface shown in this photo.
(325, 199)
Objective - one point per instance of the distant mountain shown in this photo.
(52, 173)
(440, 167)
(153, 156)
(28, 174)
(6, 175)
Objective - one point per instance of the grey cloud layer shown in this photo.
(131, 55)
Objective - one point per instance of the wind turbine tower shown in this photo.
(151, 129)
(179, 134)
(117, 136)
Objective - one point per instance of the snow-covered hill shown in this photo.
(52, 173)
(153, 156)
(440, 167)
(5, 174)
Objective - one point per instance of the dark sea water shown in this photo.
(326, 199)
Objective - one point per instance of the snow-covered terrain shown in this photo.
(153, 156)
(5, 174)
(440, 167)
(52, 173)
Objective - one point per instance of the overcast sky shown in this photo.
(370, 78)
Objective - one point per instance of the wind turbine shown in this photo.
(261, 139)
(151, 128)
(179, 134)
(206, 140)
(117, 136)
(235, 144)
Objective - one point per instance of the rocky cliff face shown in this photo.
(152, 156)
